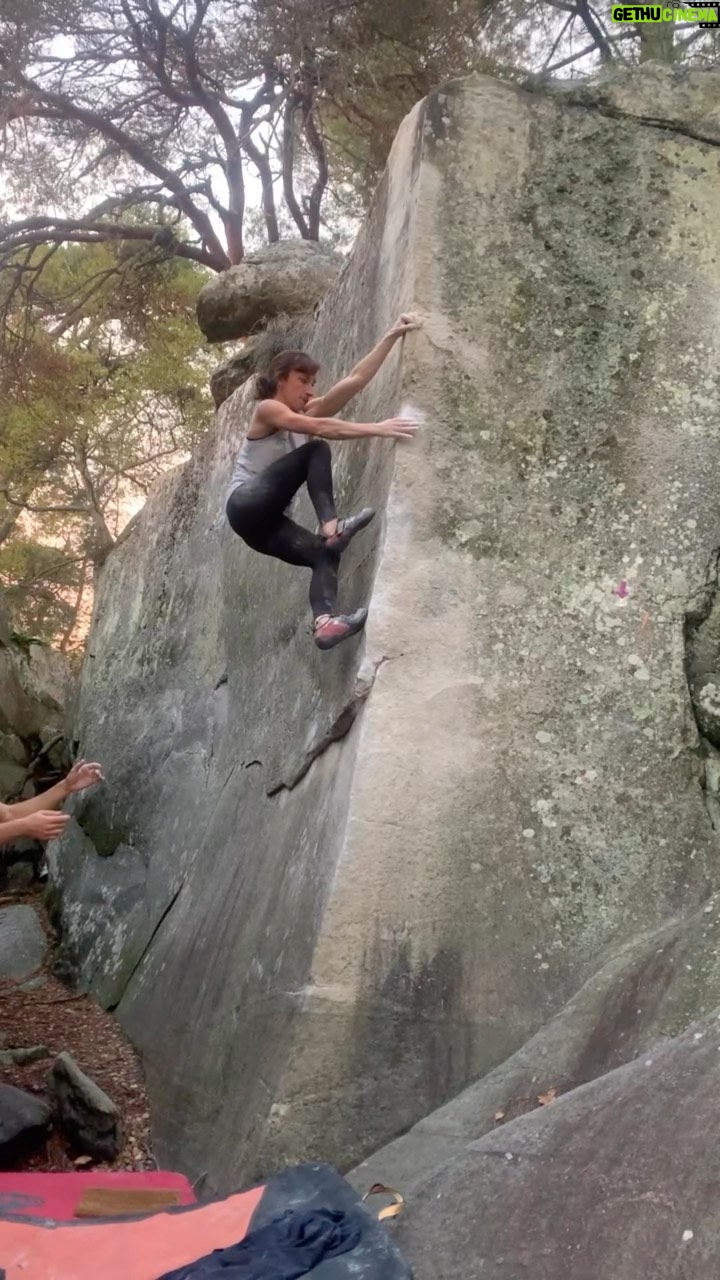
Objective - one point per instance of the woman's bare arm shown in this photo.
(41, 825)
(81, 776)
(343, 392)
(276, 415)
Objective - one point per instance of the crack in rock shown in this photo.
(611, 112)
(655, 122)
(148, 945)
(701, 633)
(599, 100)
(339, 729)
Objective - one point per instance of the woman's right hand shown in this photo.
(398, 428)
(46, 824)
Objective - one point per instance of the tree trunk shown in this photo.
(7, 525)
(67, 635)
(657, 41)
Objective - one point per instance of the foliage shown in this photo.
(95, 402)
(574, 37)
(170, 106)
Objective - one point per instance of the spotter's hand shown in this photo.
(83, 775)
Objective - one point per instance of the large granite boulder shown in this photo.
(358, 882)
(646, 995)
(618, 1178)
(286, 278)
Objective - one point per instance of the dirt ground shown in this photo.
(51, 1015)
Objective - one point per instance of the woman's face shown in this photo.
(296, 389)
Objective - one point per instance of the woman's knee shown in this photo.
(322, 554)
(320, 448)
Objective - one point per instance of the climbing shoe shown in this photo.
(347, 529)
(334, 630)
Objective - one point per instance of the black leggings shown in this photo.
(256, 511)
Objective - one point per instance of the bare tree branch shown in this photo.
(288, 167)
(104, 540)
(567, 23)
(72, 508)
(68, 633)
(315, 138)
(588, 48)
(39, 230)
(61, 107)
(262, 164)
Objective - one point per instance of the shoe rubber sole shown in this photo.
(356, 622)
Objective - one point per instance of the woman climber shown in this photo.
(274, 463)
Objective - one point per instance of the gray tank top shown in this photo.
(256, 455)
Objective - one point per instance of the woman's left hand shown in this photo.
(403, 325)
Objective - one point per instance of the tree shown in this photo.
(155, 102)
(169, 105)
(95, 402)
(575, 36)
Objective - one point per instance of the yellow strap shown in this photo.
(390, 1210)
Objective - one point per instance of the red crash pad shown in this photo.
(132, 1250)
(144, 1248)
(57, 1195)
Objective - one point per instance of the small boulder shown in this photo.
(24, 1123)
(90, 1120)
(233, 373)
(22, 942)
(23, 1057)
(286, 278)
(34, 984)
(20, 876)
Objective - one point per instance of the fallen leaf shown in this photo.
(83, 1160)
(499, 1115)
(546, 1098)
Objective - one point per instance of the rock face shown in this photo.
(90, 1119)
(24, 1122)
(34, 683)
(286, 278)
(644, 996)
(327, 892)
(232, 374)
(617, 1179)
(22, 942)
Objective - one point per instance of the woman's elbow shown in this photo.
(316, 428)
